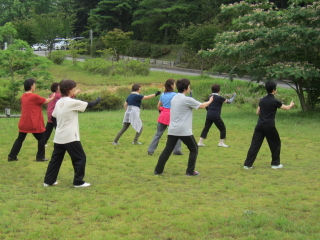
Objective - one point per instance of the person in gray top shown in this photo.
(181, 127)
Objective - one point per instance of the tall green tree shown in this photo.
(117, 40)
(112, 14)
(163, 14)
(17, 64)
(268, 43)
(47, 27)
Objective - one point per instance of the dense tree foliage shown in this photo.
(270, 44)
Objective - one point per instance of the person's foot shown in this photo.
(246, 167)
(178, 153)
(150, 153)
(12, 159)
(48, 185)
(195, 173)
(42, 159)
(157, 174)
(136, 143)
(115, 143)
(201, 145)
(83, 185)
(222, 145)
(276, 166)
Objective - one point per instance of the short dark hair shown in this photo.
(66, 86)
(215, 88)
(28, 84)
(135, 87)
(182, 84)
(54, 87)
(270, 86)
(168, 85)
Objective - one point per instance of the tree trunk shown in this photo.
(299, 90)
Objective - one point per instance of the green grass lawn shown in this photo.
(126, 201)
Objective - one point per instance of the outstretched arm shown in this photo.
(287, 107)
(206, 104)
(151, 95)
(93, 103)
(231, 99)
(50, 99)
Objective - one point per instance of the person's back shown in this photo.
(268, 109)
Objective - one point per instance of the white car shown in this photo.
(62, 45)
(39, 47)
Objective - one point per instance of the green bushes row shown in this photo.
(143, 49)
(122, 67)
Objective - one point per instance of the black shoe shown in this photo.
(178, 153)
(12, 159)
(42, 159)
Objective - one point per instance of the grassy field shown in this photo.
(126, 201)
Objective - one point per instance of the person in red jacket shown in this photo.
(31, 121)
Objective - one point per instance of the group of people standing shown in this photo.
(175, 114)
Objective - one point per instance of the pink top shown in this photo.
(51, 105)
(164, 117)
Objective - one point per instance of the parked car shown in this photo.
(39, 47)
(62, 45)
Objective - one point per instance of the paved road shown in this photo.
(182, 71)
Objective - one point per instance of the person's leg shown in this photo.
(124, 128)
(256, 142)
(193, 148)
(136, 137)
(17, 145)
(205, 131)
(222, 129)
(41, 144)
(177, 148)
(155, 141)
(78, 158)
(164, 156)
(274, 142)
(48, 131)
(55, 164)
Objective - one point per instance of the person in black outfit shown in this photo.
(265, 127)
(213, 116)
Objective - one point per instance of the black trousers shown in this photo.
(274, 142)
(18, 144)
(78, 158)
(49, 128)
(192, 145)
(219, 124)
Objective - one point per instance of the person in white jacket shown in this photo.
(67, 135)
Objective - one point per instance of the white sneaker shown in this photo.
(47, 185)
(277, 166)
(83, 185)
(115, 143)
(222, 145)
(201, 145)
(245, 167)
(136, 143)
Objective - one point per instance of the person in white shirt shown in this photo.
(67, 135)
(180, 127)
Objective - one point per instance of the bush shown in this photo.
(123, 67)
(138, 49)
(108, 101)
(57, 57)
(98, 66)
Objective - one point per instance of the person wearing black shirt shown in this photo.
(265, 127)
(213, 116)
